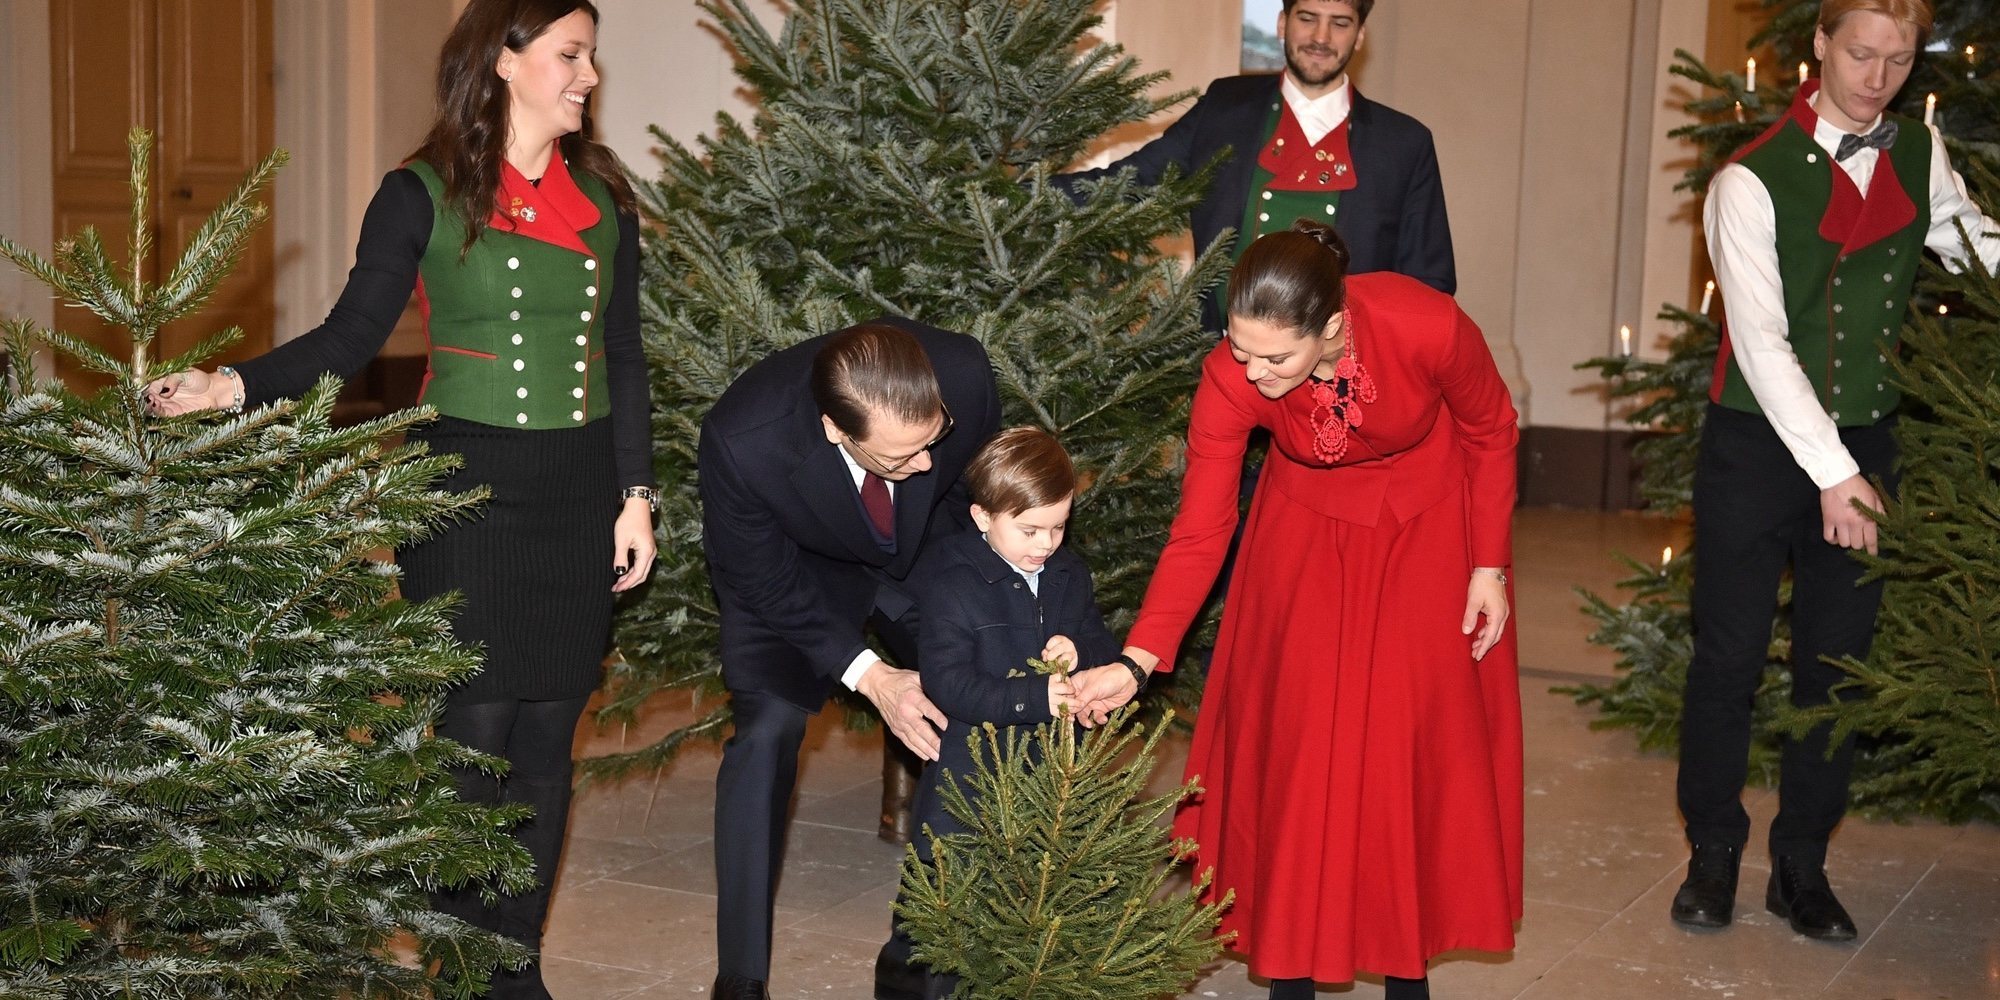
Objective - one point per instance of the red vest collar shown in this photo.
(556, 212)
(1296, 165)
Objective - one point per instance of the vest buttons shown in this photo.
(1836, 388)
(517, 293)
(1836, 282)
(590, 265)
(521, 393)
(1888, 304)
(520, 418)
(577, 392)
(515, 315)
(1329, 209)
(1888, 277)
(519, 364)
(1267, 196)
(516, 338)
(1840, 334)
(1835, 414)
(584, 315)
(579, 366)
(576, 415)
(591, 291)
(1836, 307)
(1263, 216)
(1812, 157)
(1836, 364)
(513, 263)
(582, 339)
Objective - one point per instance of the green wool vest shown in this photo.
(1271, 211)
(516, 328)
(1846, 267)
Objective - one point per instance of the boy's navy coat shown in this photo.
(980, 623)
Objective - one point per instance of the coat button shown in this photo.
(1020, 706)
(1835, 414)
(577, 392)
(520, 365)
(515, 315)
(591, 291)
(579, 366)
(1836, 282)
(590, 265)
(582, 340)
(516, 338)
(1267, 196)
(1329, 209)
(576, 415)
(513, 263)
(584, 315)
(516, 293)
(520, 418)
(1263, 216)
(521, 393)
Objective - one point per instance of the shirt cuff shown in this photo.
(862, 661)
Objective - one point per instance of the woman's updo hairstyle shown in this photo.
(1294, 279)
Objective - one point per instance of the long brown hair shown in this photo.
(468, 139)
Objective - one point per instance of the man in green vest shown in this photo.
(1816, 230)
(1306, 143)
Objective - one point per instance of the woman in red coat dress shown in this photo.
(1359, 743)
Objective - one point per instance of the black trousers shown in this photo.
(534, 737)
(1756, 512)
(753, 799)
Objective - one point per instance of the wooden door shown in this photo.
(198, 73)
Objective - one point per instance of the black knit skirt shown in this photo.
(533, 564)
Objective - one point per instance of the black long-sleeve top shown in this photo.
(395, 232)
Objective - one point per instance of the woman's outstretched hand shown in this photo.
(190, 391)
(1485, 609)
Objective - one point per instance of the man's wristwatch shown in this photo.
(646, 493)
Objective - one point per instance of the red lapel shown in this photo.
(1855, 222)
(554, 213)
(1296, 165)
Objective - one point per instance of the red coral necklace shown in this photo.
(1337, 402)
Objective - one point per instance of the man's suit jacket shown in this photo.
(796, 569)
(981, 623)
(1392, 220)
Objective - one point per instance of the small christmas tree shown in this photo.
(217, 777)
(1058, 889)
(898, 163)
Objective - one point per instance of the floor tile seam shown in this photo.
(1532, 898)
(796, 822)
(659, 888)
(663, 977)
(1876, 930)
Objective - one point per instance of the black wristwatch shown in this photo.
(1138, 672)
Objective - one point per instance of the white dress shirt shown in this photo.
(1742, 246)
(1317, 115)
(867, 657)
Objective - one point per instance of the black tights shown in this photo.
(534, 738)
(1396, 989)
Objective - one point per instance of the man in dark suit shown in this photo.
(822, 469)
(1306, 143)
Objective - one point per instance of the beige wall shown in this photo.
(25, 134)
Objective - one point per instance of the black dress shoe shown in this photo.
(734, 987)
(1707, 899)
(896, 979)
(1799, 893)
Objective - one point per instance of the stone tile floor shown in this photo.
(633, 915)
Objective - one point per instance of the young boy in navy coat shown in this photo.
(992, 601)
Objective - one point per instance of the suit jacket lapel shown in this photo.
(821, 478)
(1244, 135)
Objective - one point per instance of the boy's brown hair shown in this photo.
(1018, 469)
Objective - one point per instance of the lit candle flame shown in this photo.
(1750, 75)
(1625, 340)
(1707, 297)
(1666, 556)
(1930, 110)
(1805, 73)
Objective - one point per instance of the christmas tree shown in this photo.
(217, 776)
(1058, 888)
(899, 163)
(1926, 698)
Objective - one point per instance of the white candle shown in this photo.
(1930, 110)
(1942, 310)
(1750, 75)
(1805, 73)
(1666, 556)
(1625, 340)
(1739, 111)
(1707, 297)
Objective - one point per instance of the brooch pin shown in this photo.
(528, 213)
(518, 210)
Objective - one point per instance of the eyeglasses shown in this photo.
(889, 467)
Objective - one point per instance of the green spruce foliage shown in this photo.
(1059, 888)
(1927, 702)
(217, 777)
(898, 163)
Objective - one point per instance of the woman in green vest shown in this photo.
(518, 236)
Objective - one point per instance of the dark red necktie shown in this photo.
(881, 510)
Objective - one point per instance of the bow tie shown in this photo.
(1850, 144)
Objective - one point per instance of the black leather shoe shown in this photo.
(1799, 893)
(734, 987)
(896, 980)
(1707, 900)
